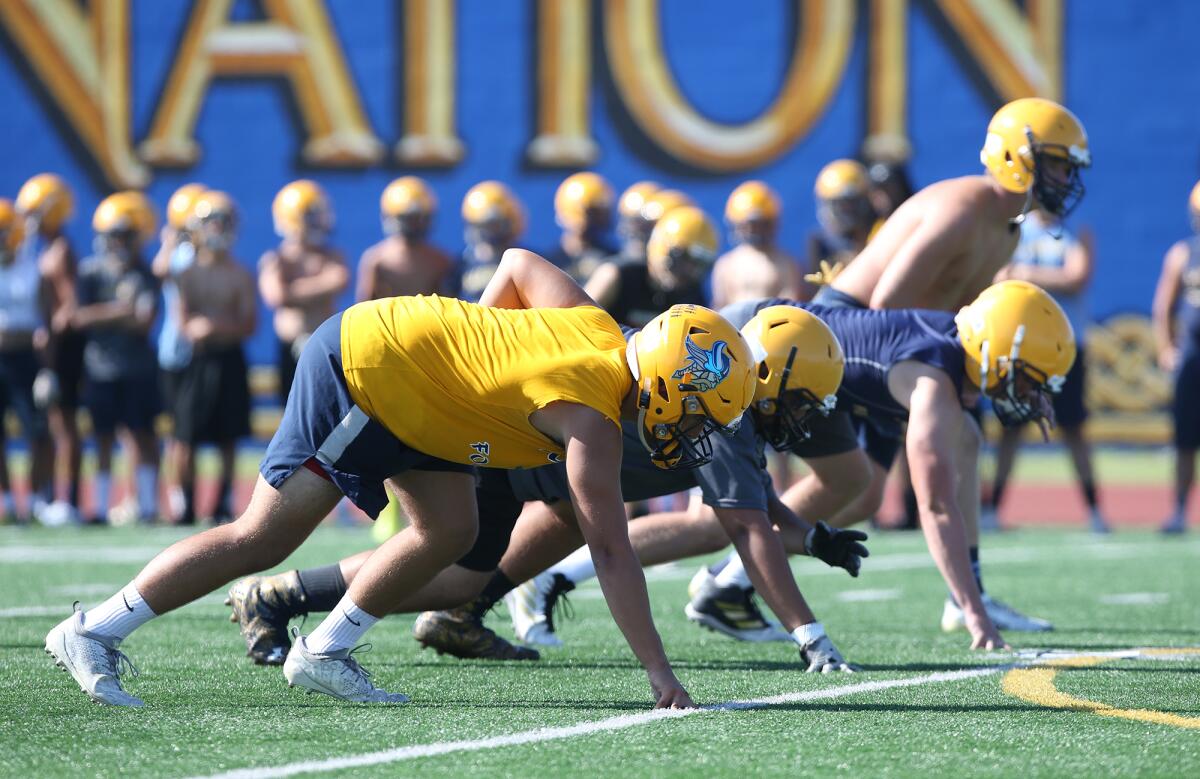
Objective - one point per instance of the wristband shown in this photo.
(810, 632)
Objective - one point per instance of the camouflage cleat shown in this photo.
(461, 632)
(262, 606)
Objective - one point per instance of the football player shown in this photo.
(632, 229)
(845, 218)
(755, 267)
(583, 206)
(494, 221)
(418, 391)
(302, 278)
(679, 256)
(1177, 334)
(798, 373)
(45, 204)
(404, 262)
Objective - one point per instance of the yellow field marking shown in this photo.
(1036, 685)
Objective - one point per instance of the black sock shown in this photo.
(997, 494)
(323, 587)
(223, 496)
(73, 494)
(497, 587)
(912, 515)
(189, 503)
(974, 553)
(1089, 493)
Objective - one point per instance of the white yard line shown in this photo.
(621, 722)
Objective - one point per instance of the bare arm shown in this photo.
(763, 554)
(605, 285)
(1166, 294)
(932, 444)
(367, 285)
(270, 281)
(161, 266)
(330, 281)
(941, 236)
(526, 280)
(593, 446)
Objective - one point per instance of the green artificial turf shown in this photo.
(209, 710)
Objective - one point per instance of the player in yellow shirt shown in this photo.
(416, 391)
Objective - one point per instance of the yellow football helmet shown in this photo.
(843, 203)
(12, 229)
(752, 201)
(1018, 345)
(407, 196)
(842, 179)
(179, 207)
(634, 197)
(582, 199)
(302, 207)
(494, 211)
(799, 370)
(682, 247)
(1023, 137)
(48, 198)
(1194, 207)
(129, 212)
(661, 202)
(694, 375)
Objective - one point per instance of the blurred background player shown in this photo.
(844, 217)
(302, 278)
(632, 230)
(1054, 259)
(583, 208)
(23, 305)
(494, 220)
(176, 252)
(1177, 335)
(890, 186)
(755, 267)
(404, 262)
(679, 256)
(45, 203)
(118, 300)
(218, 310)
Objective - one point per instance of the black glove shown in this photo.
(838, 548)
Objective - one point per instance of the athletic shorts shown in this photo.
(321, 422)
(131, 402)
(1186, 405)
(212, 399)
(1069, 407)
(18, 369)
(834, 298)
(287, 361)
(842, 432)
(498, 512)
(68, 366)
(168, 386)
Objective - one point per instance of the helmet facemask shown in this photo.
(1056, 195)
(684, 443)
(1022, 393)
(784, 420)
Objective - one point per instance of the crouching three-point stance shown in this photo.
(418, 390)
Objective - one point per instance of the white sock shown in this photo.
(103, 485)
(577, 566)
(805, 633)
(733, 575)
(146, 479)
(342, 628)
(118, 616)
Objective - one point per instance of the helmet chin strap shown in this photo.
(1019, 219)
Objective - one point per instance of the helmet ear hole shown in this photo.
(764, 371)
(662, 389)
(694, 330)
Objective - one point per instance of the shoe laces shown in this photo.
(108, 660)
(557, 602)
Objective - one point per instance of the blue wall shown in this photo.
(1132, 73)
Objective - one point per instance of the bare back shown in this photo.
(302, 285)
(745, 273)
(393, 267)
(939, 250)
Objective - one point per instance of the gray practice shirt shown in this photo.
(114, 352)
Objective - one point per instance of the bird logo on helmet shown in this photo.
(48, 199)
(1018, 345)
(302, 211)
(682, 248)
(1038, 147)
(694, 376)
(797, 375)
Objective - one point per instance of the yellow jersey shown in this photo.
(458, 381)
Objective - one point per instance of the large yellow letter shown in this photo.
(429, 132)
(1020, 56)
(298, 43)
(564, 83)
(887, 81)
(83, 61)
(631, 34)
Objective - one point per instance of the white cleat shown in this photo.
(531, 606)
(1003, 616)
(93, 661)
(336, 674)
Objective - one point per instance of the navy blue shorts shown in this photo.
(18, 369)
(1069, 407)
(321, 422)
(131, 402)
(1186, 405)
(835, 298)
(880, 439)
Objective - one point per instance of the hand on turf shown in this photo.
(984, 634)
(823, 657)
(668, 692)
(838, 548)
